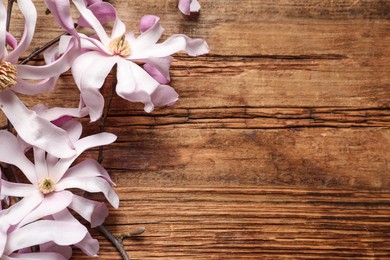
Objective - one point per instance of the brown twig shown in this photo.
(9, 11)
(116, 242)
(38, 51)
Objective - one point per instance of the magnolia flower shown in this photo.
(20, 231)
(51, 176)
(15, 77)
(189, 6)
(101, 53)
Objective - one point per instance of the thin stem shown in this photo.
(9, 11)
(38, 51)
(105, 115)
(114, 241)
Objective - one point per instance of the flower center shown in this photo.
(7, 74)
(120, 46)
(46, 186)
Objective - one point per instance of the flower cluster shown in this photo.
(41, 186)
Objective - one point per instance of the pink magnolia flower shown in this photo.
(189, 6)
(135, 84)
(51, 177)
(104, 12)
(26, 224)
(30, 127)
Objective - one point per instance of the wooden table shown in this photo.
(279, 146)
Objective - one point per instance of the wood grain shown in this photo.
(279, 145)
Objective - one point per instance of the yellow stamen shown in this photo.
(7, 75)
(120, 46)
(46, 186)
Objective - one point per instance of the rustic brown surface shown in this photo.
(279, 146)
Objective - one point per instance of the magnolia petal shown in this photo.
(11, 41)
(65, 251)
(51, 204)
(92, 211)
(74, 129)
(103, 11)
(40, 163)
(14, 214)
(11, 152)
(88, 245)
(164, 95)
(30, 18)
(61, 12)
(151, 31)
(91, 19)
(173, 44)
(91, 184)
(119, 29)
(18, 189)
(89, 168)
(135, 85)
(158, 68)
(3, 22)
(34, 88)
(55, 68)
(43, 231)
(81, 145)
(56, 113)
(34, 129)
(189, 6)
(89, 71)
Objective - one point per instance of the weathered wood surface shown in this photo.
(279, 146)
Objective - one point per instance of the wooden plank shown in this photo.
(251, 223)
(308, 157)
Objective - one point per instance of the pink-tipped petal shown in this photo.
(34, 129)
(61, 12)
(158, 68)
(151, 31)
(103, 11)
(30, 18)
(91, 19)
(92, 211)
(188, 6)
(11, 41)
